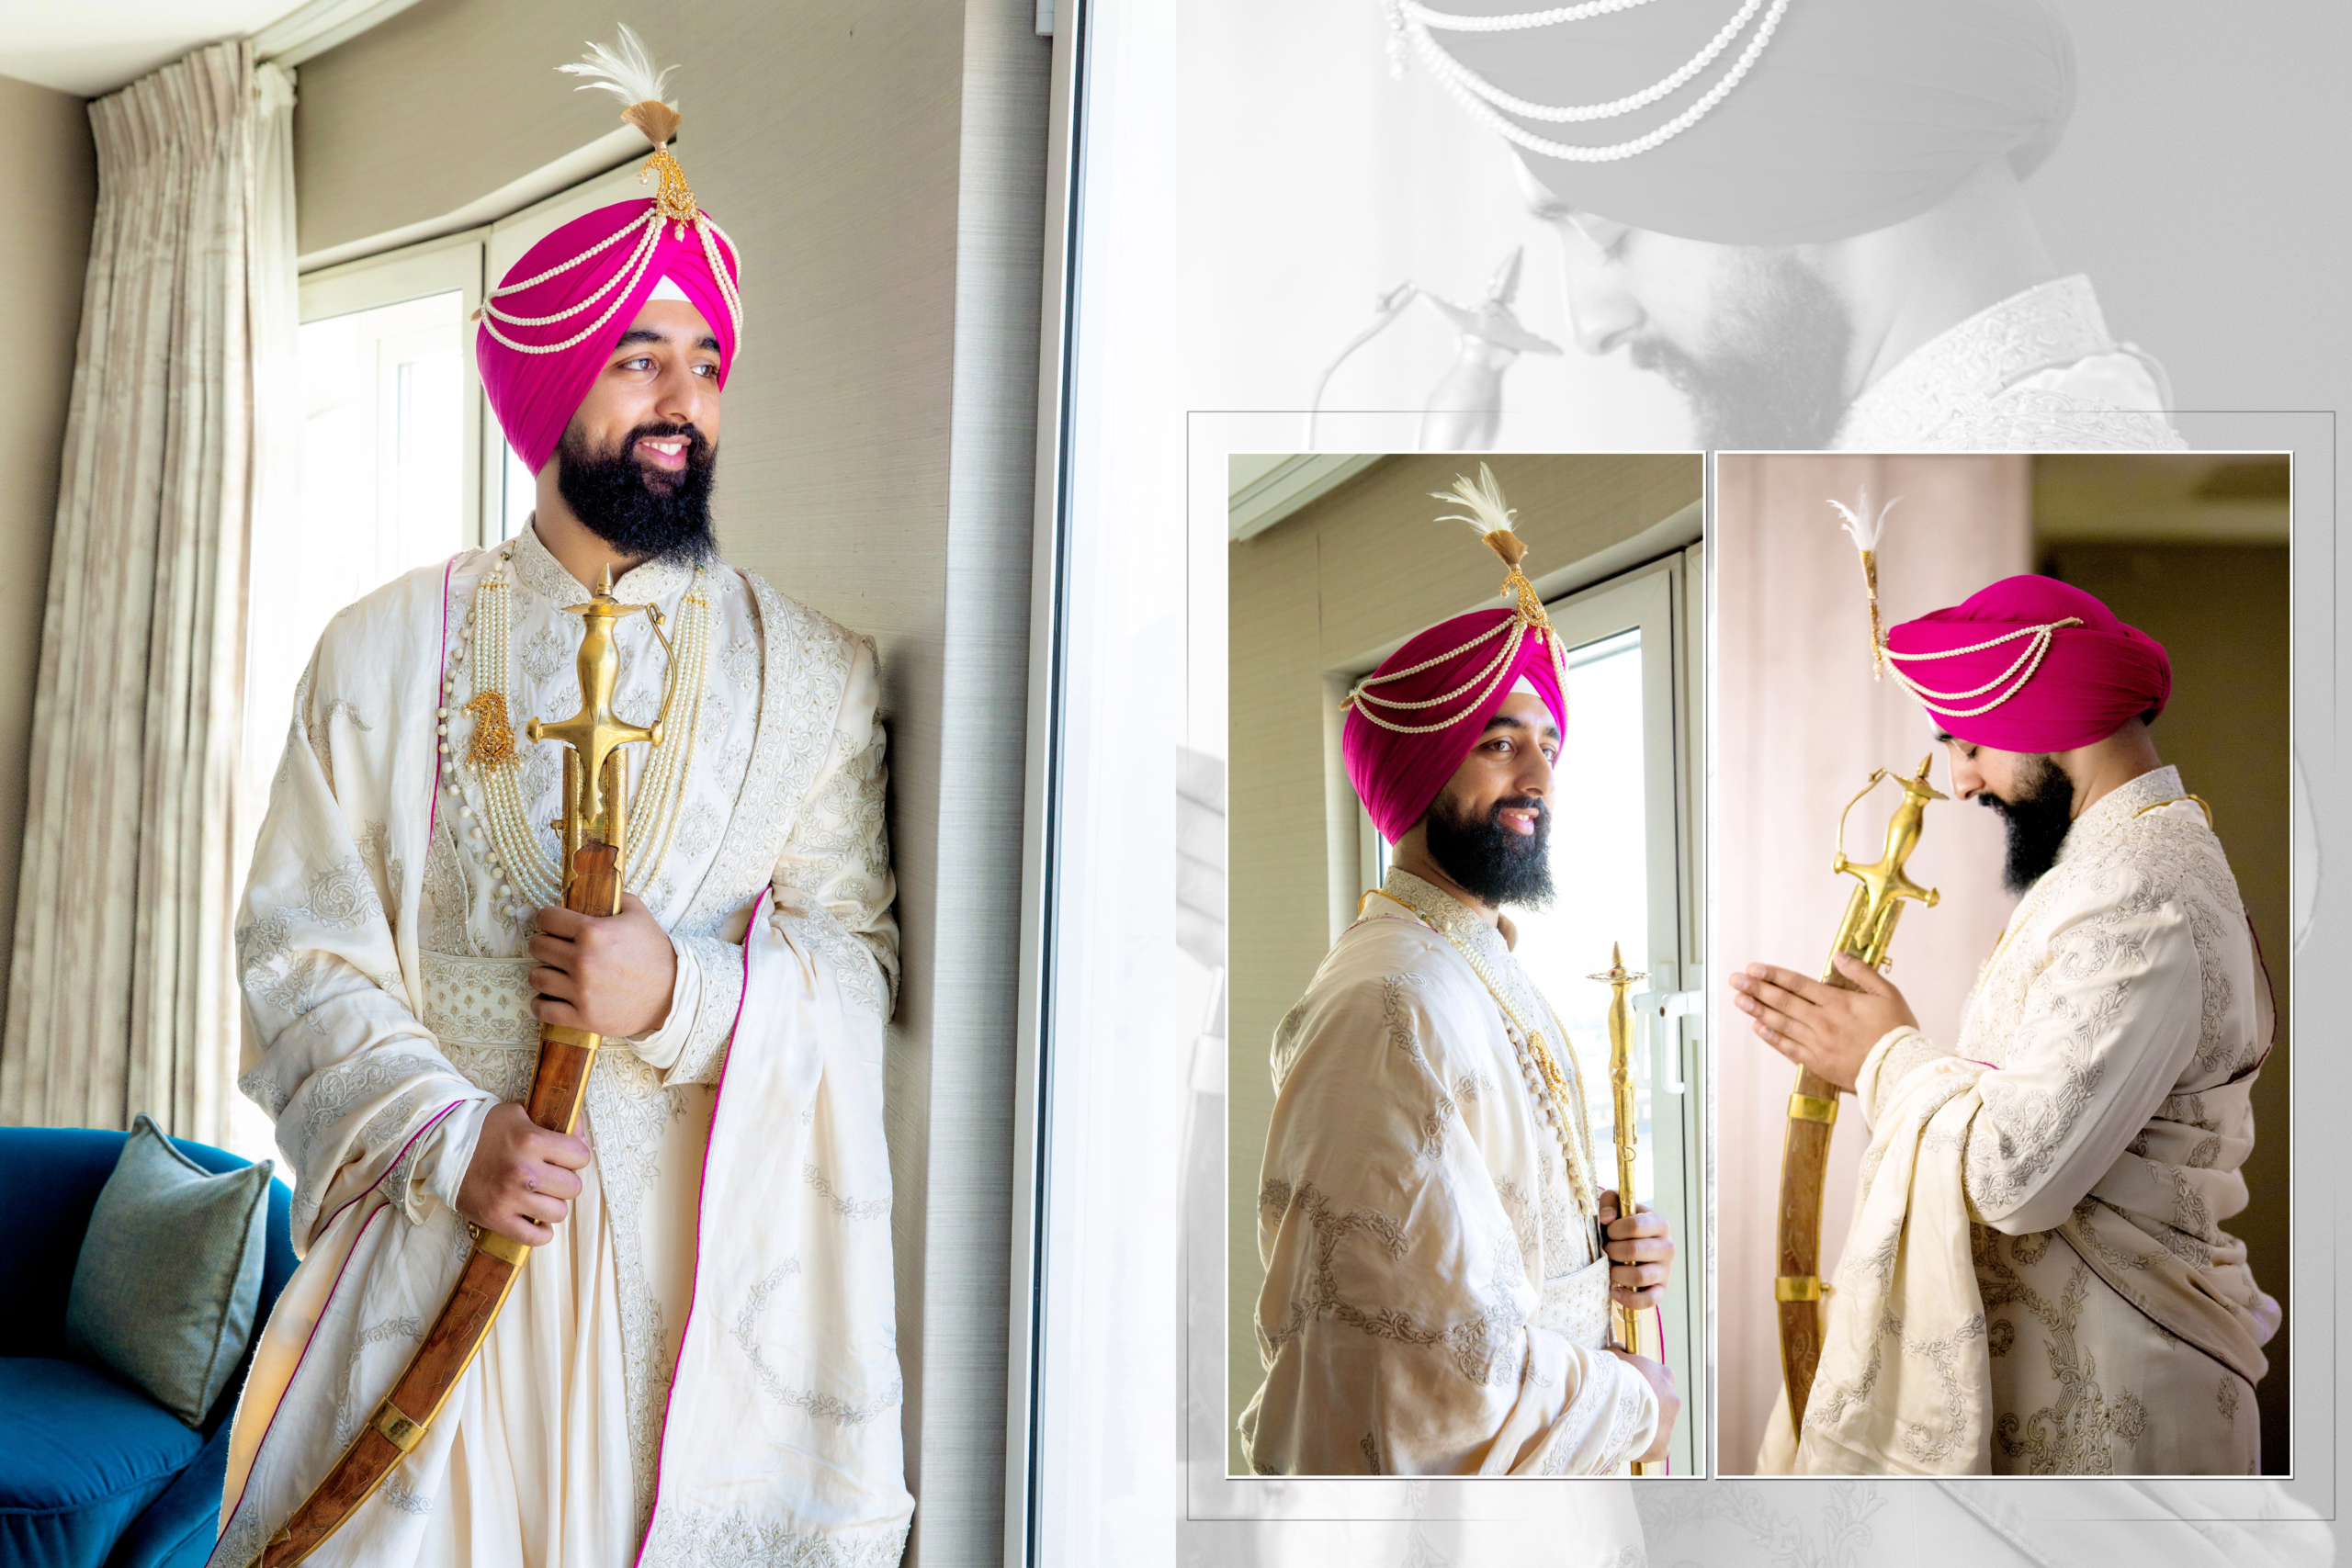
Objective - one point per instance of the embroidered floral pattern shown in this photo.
(1964, 390)
(687, 1537)
(814, 1402)
(2085, 1430)
(847, 1208)
(341, 897)
(399, 1495)
(1846, 1539)
(1485, 1349)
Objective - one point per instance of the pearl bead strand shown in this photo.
(525, 878)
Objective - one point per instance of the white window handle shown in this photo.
(1657, 1012)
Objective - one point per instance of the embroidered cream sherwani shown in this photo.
(2036, 372)
(713, 1323)
(1435, 1299)
(2037, 1282)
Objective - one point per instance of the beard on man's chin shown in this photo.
(1491, 861)
(635, 508)
(2038, 820)
(1775, 377)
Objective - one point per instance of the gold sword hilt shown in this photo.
(595, 799)
(1882, 884)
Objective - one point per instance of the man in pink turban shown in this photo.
(1440, 1253)
(1808, 216)
(705, 1302)
(2087, 1124)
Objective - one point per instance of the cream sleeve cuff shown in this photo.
(437, 1165)
(1899, 1052)
(661, 1048)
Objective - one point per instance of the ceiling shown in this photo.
(1263, 489)
(90, 47)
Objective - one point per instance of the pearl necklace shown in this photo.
(503, 833)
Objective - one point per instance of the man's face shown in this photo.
(636, 464)
(1752, 338)
(1489, 828)
(2033, 795)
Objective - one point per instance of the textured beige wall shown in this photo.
(1331, 588)
(49, 189)
(881, 166)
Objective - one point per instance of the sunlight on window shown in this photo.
(519, 493)
(1601, 874)
(381, 493)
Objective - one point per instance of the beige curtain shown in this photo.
(121, 997)
(1800, 726)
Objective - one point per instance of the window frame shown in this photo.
(435, 267)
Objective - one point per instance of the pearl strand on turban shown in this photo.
(2033, 664)
(2022, 667)
(1409, 20)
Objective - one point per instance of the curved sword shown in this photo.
(1881, 890)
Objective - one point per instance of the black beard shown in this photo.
(2038, 820)
(637, 510)
(1489, 861)
(1777, 381)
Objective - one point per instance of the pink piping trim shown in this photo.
(701, 1185)
(440, 669)
(339, 1273)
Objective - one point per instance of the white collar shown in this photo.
(536, 567)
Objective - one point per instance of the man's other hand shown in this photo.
(521, 1183)
(1641, 1256)
(1660, 1378)
(610, 974)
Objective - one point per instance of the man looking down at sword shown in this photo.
(710, 1303)
(2037, 1282)
(1437, 1297)
(1820, 236)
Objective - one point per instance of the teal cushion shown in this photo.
(169, 1278)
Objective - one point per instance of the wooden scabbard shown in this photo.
(399, 1424)
(1797, 1288)
(1804, 1160)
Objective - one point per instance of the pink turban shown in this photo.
(1476, 659)
(1856, 114)
(2031, 664)
(548, 325)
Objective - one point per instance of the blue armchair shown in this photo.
(94, 1473)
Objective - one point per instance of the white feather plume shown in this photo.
(1484, 499)
(1865, 527)
(626, 71)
